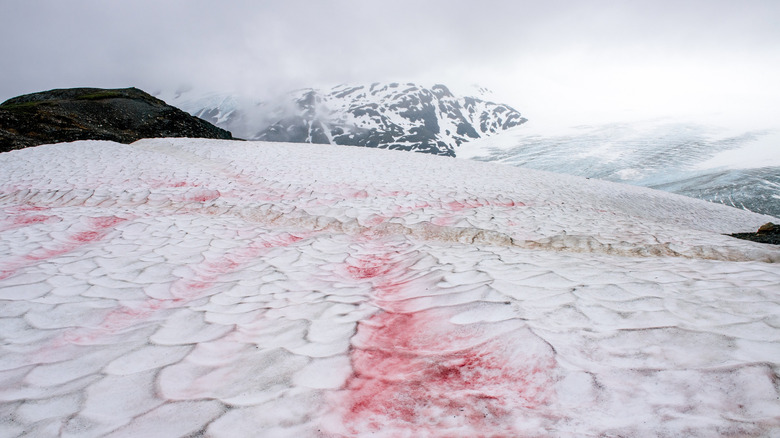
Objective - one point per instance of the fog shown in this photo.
(563, 60)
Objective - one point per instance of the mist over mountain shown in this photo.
(389, 116)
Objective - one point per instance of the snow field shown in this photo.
(175, 287)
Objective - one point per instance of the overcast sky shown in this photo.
(575, 59)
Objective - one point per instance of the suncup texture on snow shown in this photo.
(122, 115)
(192, 287)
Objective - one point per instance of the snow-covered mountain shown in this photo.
(740, 168)
(192, 287)
(392, 116)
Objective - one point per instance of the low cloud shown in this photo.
(543, 55)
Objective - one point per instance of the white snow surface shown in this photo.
(180, 287)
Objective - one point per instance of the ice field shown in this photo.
(202, 288)
(736, 166)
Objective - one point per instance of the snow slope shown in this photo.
(736, 167)
(178, 287)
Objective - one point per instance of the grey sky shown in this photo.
(543, 57)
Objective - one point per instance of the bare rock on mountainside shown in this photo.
(122, 115)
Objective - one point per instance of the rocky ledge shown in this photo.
(122, 115)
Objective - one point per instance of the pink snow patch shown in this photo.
(454, 206)
(27, 220)
(360, 194)
(369, 267)
(103, 222)
(23, 208)
(374, 220)
(399, 211)
(116, 321)
(459, 206)
(467, 204)
(197, 195)
(417, 373)
(19, 216)
(443, 221)
(162, 183)
(508, 204)
(96, 229)
(207, 274)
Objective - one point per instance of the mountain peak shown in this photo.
(404, 116)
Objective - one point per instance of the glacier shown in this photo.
(735, 166)
(191, 287)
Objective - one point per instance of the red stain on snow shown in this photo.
(96, 229)
(360, 194)
(367, 268)
(206, 275)
(401, 210)
(469, 204)
(19, 216)
(103, 222)
(164, 184)
(23, 208)
(443, 221)
(457, 206)
(416, 373)
(29, 220)
(86, 236)
(374, 221)
(508, 204)
(116, 321)
(454, 206)
(196, 195)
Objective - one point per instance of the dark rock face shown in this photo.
(121, 115)
(767, 233)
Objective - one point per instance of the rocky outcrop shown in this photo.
(767, 233)
(121, 115)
